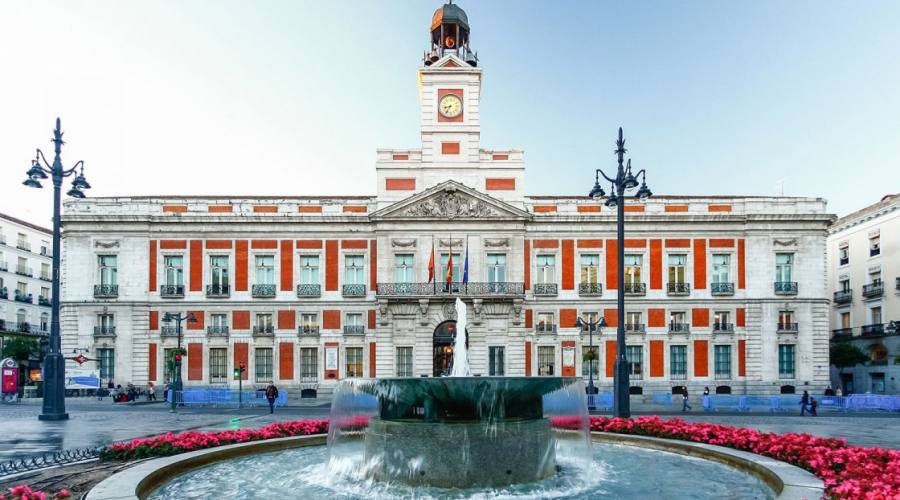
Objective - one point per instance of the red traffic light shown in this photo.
(178, 357)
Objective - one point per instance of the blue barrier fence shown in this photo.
(786, 402)
(225, 397)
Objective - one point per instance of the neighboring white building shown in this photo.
(864, 276)
(724, 291)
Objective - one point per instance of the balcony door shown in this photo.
(442, 342)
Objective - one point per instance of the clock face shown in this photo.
(450, 106)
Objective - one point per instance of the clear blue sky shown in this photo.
(290, 97)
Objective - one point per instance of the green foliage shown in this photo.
(20, 348)
(589, 355)
(845, 355)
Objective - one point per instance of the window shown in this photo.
(106, 323)
(264, 322)
(22, 241)
(845, 285)
(844, 255)
(45, 270)
(456, 276)
(45, 322)
(309, 270)
(633, 320)
(874, 246)
(107, 269)
(22, 266)
(875, 278)
(721, 268)
(403, 268)
(545, 322)
(845, 320)
(309, 323)
(218, 323)
(678, 361)
(633, 269)
(722, 355)
(404, 362)
(496, 268)
(21, 317)
(677, 320)
(785, 319)
(169, 364)
(354, 270)
(45, 293)
(546, 360)
(786, 361)
(263, 364)
(496, 360)
(218, 267)
(309, 363)
(721, 320)
(590, 317)
(353, 323)
(45, 248)
(586, 365)
(174, 270)
(546, 269)
(784, 267)
(676, 268)
(590, 265)
(107, 361)
(354, 357)
(218, 365)
(634, 356)
(875, 314)
(22, 288)
(265, 270)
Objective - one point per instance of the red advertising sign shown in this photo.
(9, 376)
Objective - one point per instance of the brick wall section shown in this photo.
(241, 263)
(589, 209)
(527, 359)
(354, 244)
(331, 266)
(568, 264)
(152, 270)
(719, 208)
(568, 318)
(265, 209)
(287, 319)
(721, 243)
(200, 324)
(195, 361)
(527, 258)
(331, 319)
(676, 208)
(741, 267)
(656, 318)
(287, 265)
(568, 370)
(372, 324)
(656, 264)
(400, 184)
(154, 321)
(633, 208)
(355, 209)
(611, 316)
(499, 157)
(742, 358)
(309, 209)
(196, 265)
(500, 184)
(286, 360)
(543, 209)
(177, 209)
(400, 157)
(699, 264)
(216, 209)
(635, 243)
(151, 361)
(372, 353)
(678, 243)
(240, 320)
(612, 272)
(590, 243)
(701, 358)
(218, 244)
(700, 317)
(657, 361)
(241, 350)
(308, 244)
(740, 317)
(373, 265)
(173, 244)
(264, 244)
(529, 319)
(610, 357)
(449, 148)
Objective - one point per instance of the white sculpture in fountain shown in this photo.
(460, 353)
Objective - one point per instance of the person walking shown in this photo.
(151, 391)
(271, 395)
(804, 403)
(813, 404)
(685, 406)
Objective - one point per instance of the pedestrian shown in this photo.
(706, 391)
(839, 392)
(110, 385)
(684, 399)
(271, 395)
(813, 404)
(151, 391)
(804, 403)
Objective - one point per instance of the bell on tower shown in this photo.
(450, 35)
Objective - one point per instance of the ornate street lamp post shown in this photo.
(54, 364)
(600, 323)
(622, 182)
(168, 318)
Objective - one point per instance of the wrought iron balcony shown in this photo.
(217, 330)
(873, 330)
(842, 333)
(545, 290)
(23, 245)
(218, 290)
(44, 301)
(873, 289)
(308, 330)
(786, 375)
(354, 329)
(635, 289)
(263, 291)
(263, 330)
(4, 293)
(106, 291)
(679, 328)
(45, 276)
(22, 297)
(23, 327)
(722, 288)
(677, 289)
(24, 271)
(545, 328)
(635, 328)
(788, 328)
(168, 331)
(471, 289)
(874, 251)
(354, 290)
(171, 291)
(723, 327)
(785, 288)
(590, 289)
(309, 290)
(844, 261)
(843, 296)
(104, 331)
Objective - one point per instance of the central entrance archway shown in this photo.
(442, 341)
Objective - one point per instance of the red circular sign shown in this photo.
(80, 359)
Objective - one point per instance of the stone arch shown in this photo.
(723, 389)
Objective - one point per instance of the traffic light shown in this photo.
(178, 358)
(241, 368)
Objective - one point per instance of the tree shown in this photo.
(20, 348)
(845, 355)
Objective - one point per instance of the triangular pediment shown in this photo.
(451, 200)
(450, 61)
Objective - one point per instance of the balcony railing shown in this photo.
(309, 290)
(874, 251)
(841, 333)
(4, 293)
(722, 288)
(722, 376)
(545, 328)
(23, 245)
(843, 296)
(678, 376)
(44, 301)
(355, 290)
(677, 289)
(168, 331)
(787, 328)
(308, 330)
(45, 276)
(218, 290)
(263, 291)
(106, 291)
(635, 289)
(723, 327)
(171, 291)
(590, 289)
(636, 376)
(23, 327)
(21, 297)
(873, 289)
(785, 288)
(24, 271)
(263, 330)
(104, 331)
(217, 330)
(786, 375)
(635, 328)
(844, 261)
(873, 330)
(471, 289)
(545, 290)
(354, 329)
(679, 328)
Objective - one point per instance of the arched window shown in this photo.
(21, 317)
(878, 353)
(45, 322)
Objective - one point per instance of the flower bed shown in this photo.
(23, 492)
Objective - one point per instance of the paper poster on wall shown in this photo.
(569, 356)
(331, 358)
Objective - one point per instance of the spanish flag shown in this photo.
(431, 264)
(450, 269)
